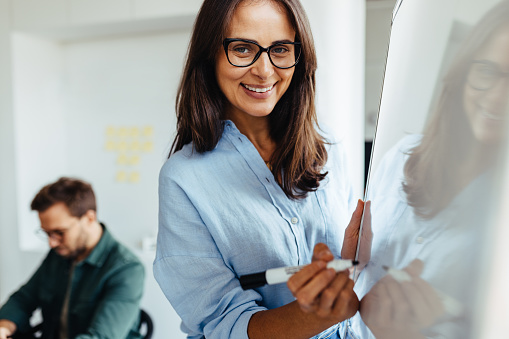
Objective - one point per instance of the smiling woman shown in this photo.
(253, 92)
(251, 184)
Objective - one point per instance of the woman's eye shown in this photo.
(279, 50)
(242, 49)
(488, 71)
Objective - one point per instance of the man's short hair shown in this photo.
(76, 194)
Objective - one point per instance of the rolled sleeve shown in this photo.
(191, 272)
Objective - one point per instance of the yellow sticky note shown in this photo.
(110, 145)
(148, 131)
(122, 131)
(122, 159)
(134, 177)
(121, 176)
(122, 146)
(134, 132)
(148, 146)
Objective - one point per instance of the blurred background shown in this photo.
(87, 89)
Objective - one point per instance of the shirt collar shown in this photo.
(99, 253)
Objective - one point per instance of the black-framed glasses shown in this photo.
(244, 53)
(483, 75)
(57, 235)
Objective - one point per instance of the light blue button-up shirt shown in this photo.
(222, 215)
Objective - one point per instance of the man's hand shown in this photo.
(400, 310)
(7, 328)
(323, 291)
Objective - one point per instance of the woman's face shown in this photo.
(253, 91)
(487, 89)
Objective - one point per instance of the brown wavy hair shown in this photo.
(300, 150)
(431, 180)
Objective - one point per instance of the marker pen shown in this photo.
(451, 305)
(280, 275)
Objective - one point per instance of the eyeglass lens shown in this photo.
(484, 76)
(55, 235)
(242, 53)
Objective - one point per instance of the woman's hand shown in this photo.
(400, 310)
(351, 238)
(322, 291)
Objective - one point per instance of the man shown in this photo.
(89, 285)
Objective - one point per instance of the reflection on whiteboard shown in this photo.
(442, 131)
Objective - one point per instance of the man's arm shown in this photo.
(21, 304)
(119, 308)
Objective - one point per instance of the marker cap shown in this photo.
(254, 280)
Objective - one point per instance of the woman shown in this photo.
(432, 197)
(250, 184)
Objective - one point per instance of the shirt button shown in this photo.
(420, 240)
(295, 220)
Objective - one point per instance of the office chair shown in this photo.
(149, 325)
(146, 326)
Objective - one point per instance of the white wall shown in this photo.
(123, 82)
(339, 32)
(39, 125)
(8, 220)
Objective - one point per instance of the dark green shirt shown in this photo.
(106, 289)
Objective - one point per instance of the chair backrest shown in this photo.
(146, 324)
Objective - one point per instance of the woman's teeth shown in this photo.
(491, 116)
(258, 90)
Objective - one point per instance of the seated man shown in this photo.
(89, 285)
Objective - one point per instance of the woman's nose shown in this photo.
(263, 68)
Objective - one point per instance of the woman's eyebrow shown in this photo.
(284, 41)
(486, 62)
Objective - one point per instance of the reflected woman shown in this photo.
(431, 198)
(251, 184)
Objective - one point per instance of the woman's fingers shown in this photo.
(347, 302)
(322, 290)
(376, 306)
(424, 302)
(355, 221)
(415, 268)
(299, 279)
(402, 309)
(308, 295)
(330, 294)
(352, 232)
(322, 252)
